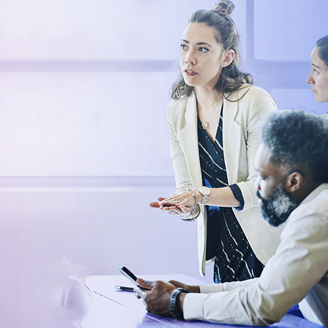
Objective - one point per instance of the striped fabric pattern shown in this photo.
(226, 242)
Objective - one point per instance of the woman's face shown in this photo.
(318, 77)
(202, 58)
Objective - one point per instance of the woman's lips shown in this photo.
(190, 72)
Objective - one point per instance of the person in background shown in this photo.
(213, 121)
(318, 77)
(292, 185)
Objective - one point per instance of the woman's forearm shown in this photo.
(220, 197)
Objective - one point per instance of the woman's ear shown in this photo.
(293, 181)
(229, 57)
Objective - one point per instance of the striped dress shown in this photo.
(226, 241)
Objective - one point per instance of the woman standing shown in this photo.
(214, 121)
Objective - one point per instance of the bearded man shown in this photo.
(292, 184)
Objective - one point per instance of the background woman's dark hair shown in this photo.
(298, 140)
(227, 35)
(322, 45)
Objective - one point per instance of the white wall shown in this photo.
(84, 87)
(100, 229)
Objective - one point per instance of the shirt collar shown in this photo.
(314, 193)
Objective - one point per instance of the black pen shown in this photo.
(124, 288)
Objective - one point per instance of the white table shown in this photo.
(110, 308)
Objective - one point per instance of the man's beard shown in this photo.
(278, 207)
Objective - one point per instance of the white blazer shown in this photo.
(243, 114)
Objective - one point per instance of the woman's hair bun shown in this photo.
(224, 7)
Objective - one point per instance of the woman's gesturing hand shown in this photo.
(183, 212)
(183, 205)
(156, 204)
(186, 198)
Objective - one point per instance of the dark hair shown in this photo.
(322, 45)
(227, 35)
(298, 140)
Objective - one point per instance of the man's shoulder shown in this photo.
(308, 223)
(320, 203)
(315, 205)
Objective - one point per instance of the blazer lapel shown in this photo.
(189, 141)
(231, 137)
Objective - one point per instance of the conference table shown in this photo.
(111, 308)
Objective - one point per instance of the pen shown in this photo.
(124, 288)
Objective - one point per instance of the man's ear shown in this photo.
(294, 181)
(229, 57)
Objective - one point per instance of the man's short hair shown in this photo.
(298, 140)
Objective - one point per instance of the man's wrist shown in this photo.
(180, 302)
(181, 297)
(176, 309)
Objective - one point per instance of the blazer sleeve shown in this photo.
(182, 179)
(257, 107)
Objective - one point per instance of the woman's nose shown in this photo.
(190, 58)
(310, 80)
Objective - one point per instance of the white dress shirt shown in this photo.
(298, 272)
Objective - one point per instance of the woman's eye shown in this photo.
(203, 49)
(315, 71)
(183, 46)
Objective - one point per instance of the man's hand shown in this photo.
(145, 283)
(146, 286)
(158, 299)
